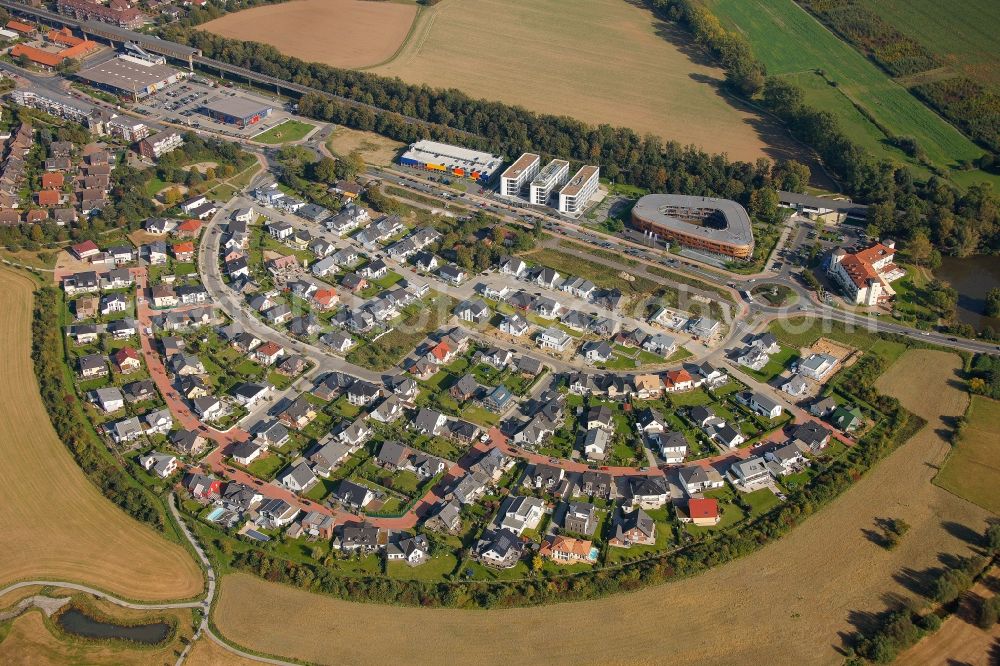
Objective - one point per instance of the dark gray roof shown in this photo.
(660, 209)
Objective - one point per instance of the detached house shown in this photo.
(632, 528)
(554, 339)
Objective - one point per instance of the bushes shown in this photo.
(972, 107)
(895, 52)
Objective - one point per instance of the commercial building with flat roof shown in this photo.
(823, 208)
(577, 192)
(455, 160)
(239, 111)
(715, 225)
(515, 177)
(130, 77)
(552, 176)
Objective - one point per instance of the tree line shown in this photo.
(897, 629)
(72, 425)
(958, 223)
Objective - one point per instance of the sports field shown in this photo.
(963, 33)
(56, 524)
(973, 469)
(344, 33)
(290, 130)
(600, 61)
(799, 592)
(791, 42)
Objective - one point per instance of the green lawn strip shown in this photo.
(290, 130)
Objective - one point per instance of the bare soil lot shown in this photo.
(343, 33)
(373, 148)
(56, 524)
(801, 592)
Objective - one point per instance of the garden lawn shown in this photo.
(433, 569)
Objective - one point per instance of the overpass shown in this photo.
(192, 57)
(111, 34)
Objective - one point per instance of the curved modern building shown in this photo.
(715, 225)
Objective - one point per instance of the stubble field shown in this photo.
(801, 592)
(600, 61)
(56, 524)
(345, 33)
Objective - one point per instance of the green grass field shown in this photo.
(962, 33)
(290, 130)
(800, 332)
(971, 470)
(792, 43)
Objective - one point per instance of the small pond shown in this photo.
(75, 621)
(972, 278)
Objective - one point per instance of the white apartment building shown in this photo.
(127, 129)
(577, 192)
(548, 179)
(865, 275)
(516, 177)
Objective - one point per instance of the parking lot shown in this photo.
(181, 103)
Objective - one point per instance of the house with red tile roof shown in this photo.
(183, 251)
(268, 353)
(325, 298)
(440, 353)
(678, 380)
(36, 215)
(188, 229)
(126, 360)
(568, 550)
(86, 249)
(52, 180)
(49, 198)
(703, 512)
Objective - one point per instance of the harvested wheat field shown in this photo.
(207, 653)
(800, 593)
(600, 61)
(344, 33)
(56, 524)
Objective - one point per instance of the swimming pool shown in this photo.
(215, 514)
(594, 552)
